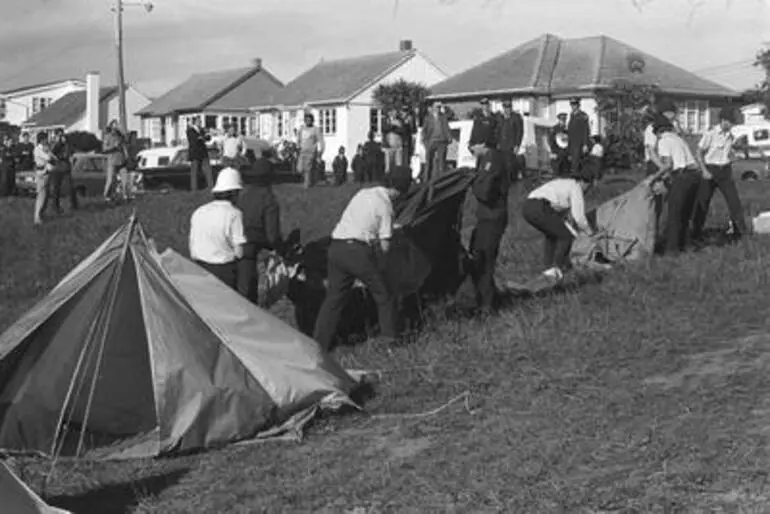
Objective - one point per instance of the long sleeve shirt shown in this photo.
(564, 195)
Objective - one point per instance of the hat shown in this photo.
(400, 178)
(665, 105)
(229, 179)
(574, 100)
(728, 114)
(484, 101)
(561, 115)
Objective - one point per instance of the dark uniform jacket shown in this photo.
(510, 132)
(261, 214)
(579, 131)
(491, 188)
(484, 130)
(196, 143)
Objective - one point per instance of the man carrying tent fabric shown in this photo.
(216, 230)
(716, 148)
(359, 241)
(491, 191)
(261, 222)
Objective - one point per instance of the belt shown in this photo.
(351, 241)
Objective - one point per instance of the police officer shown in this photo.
(8, 159)
(484, 129)
(558, 141)
(510, 133)
(490, 188)
(579, 135)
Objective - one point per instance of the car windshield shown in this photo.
(179, 158)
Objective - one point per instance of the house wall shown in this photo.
(170, 130)
(20, 106)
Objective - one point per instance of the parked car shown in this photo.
(755, 168)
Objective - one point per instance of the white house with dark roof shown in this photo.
(21, 103)
(542, 74)
(339, 94)
(219, 98)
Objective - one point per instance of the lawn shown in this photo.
(647, 392)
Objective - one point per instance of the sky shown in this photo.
(47, 40)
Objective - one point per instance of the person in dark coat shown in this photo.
(490, 188)
(558, 141)
(63, 152)
(8, 159)
(25, 154)
(374, 158)
(578, 135)
(358, 165)
(261, 225)
(436, 136)
(198, 154)
(510, 133)
(340, 167)
(484, 129)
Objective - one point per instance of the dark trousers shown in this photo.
(57, 181)
(511, 163)
(227, 273)
(7, 180)
(200, 167)
(348, 261)
(248, 279)
(435, 160)
(558, 238)
(682, 193)
(575, 159)
(485, 246)
(560, 164)
(722, 179)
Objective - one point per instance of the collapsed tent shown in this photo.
(137, 354)
(17, 498)
(426, 256)
(626, 227)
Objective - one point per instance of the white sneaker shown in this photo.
(553, 273)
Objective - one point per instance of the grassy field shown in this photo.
(645, 393)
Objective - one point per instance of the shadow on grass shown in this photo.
(118, 498)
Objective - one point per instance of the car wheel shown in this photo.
(750, 175)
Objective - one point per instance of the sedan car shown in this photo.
(88, 174)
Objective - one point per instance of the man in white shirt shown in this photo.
(360, 237)
(683, 175)
(216, 230)
(716, 148)
(233, 148)
(44, 163)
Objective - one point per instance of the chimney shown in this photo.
(92, 102)
(257, 62)
(405, 45)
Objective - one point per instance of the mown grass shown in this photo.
(644, 393)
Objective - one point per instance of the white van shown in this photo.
(757, 135)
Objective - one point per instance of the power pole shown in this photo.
(120, 73)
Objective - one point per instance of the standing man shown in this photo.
(117, 159)
(716, 148)
(394, 141)
(578, 134)
(436, 137)
(62, 150)
(360, 243)
(25, 152)
(374, 160)
(261, 224)
(44, 163)
(8, 158)
(558, 141)
(216, 230)
(484, 128)
(491, 191)
(233, 148)
(311, 148)
(510, 133)
(198, 154)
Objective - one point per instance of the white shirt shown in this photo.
(650, 140)
(232, 147)
(43, 156)
(597, 150)
(675, 148)
(718, 146)
(564, 194)
(216, 230)
(368, 216)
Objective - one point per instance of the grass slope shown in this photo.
(645, 393)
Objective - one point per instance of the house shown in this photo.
(219, 98)
(71, 112)
(339, 94)
(542, 74)
(19, 104)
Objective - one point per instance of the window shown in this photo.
(280, 124)
(210, 122)
(243, 122)
(328, 121)
(284, 124)
(253, 129)
(40, 103)
(761, 135)
(375, 121)
(2, 109)
(694, 116)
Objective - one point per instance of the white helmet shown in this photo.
(228, 179)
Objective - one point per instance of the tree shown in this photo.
(402, 97)
(82, 141)
(762, 91)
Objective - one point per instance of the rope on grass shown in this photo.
(465, 396)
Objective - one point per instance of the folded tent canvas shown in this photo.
(17, 498)
(138, 354)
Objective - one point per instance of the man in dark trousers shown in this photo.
(484, 129)
(25, 152)
(374, 160)
(198, 155)
(360, 243)
(8, 159)
(62, 150)
(558, 141)
(261, 225)
(510, 133)
(578, 135)
(490, 188)
(436, 137)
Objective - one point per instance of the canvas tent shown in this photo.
(17, 498)
(138, 354)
